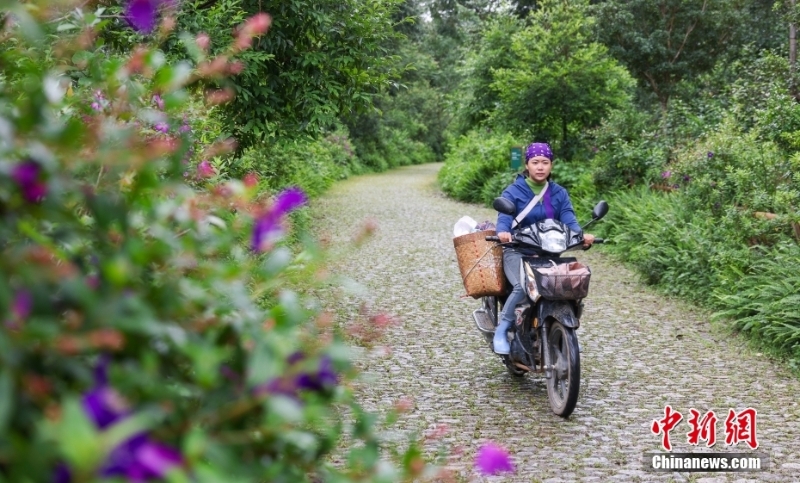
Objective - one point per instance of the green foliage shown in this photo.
(662, 43)
(630, 150)
(475, 159)
(408, 127)
(561, 81)
(733, 169)
(321, 60)
(576, 177)
(142, 326)
(704, 259)
(764, 304)
(493, 51)
(311, 164)
(762, 99)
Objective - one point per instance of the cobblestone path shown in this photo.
(641, 352)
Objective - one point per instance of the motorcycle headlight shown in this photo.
(553, 241)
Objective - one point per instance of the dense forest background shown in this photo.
(683, 115)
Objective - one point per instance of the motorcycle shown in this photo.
(543, 339)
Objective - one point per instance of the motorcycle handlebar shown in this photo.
(497, 239)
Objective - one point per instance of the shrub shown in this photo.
(732, 175)
(630, 150)
(150, 332)
(472, 161)
(312, 164)
(691, 254)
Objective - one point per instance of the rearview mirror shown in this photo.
(600, 210)
(504, 206)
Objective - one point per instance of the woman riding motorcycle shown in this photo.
(552, 203)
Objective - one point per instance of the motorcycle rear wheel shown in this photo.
(564, 384)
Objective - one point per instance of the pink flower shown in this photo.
(493, 460)
(250, 180)
(205, 170)
(203, 41)
(159, 102)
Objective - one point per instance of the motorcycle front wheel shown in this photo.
(563, 385)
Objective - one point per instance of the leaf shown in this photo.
(6, 399)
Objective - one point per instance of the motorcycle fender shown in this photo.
(561, 310)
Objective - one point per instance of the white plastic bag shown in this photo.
(464, 226)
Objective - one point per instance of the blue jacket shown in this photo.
(520, 193)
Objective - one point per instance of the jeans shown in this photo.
(512, 261)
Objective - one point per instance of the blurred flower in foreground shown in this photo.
(493, 460)
(320, 379)
(205, 170)
(268, 227)
(138, 458)
(20, 309)
(141, 14)
(27, 175)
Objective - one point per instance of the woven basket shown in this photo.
(481, 264)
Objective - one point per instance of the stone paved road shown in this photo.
(641, 352)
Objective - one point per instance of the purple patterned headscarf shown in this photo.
(538, 149)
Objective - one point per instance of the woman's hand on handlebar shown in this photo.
(588, 239)
(504, 236)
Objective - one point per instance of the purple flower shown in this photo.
(493, 460)
(324, 378)
(23, 302)
(140, 459)
(666, 174)
(686, 178)
(27, 174)
(102, 404)
(318, 380)
(185, 128)
(62, 474)
(710, 154)
(162, 127)
(141, 14)
(267, 227)
(96, 106)
(20, 309)
(137, 458)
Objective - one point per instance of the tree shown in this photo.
(493, 52)
(561, 81)
(321, 60)
(662, 42)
